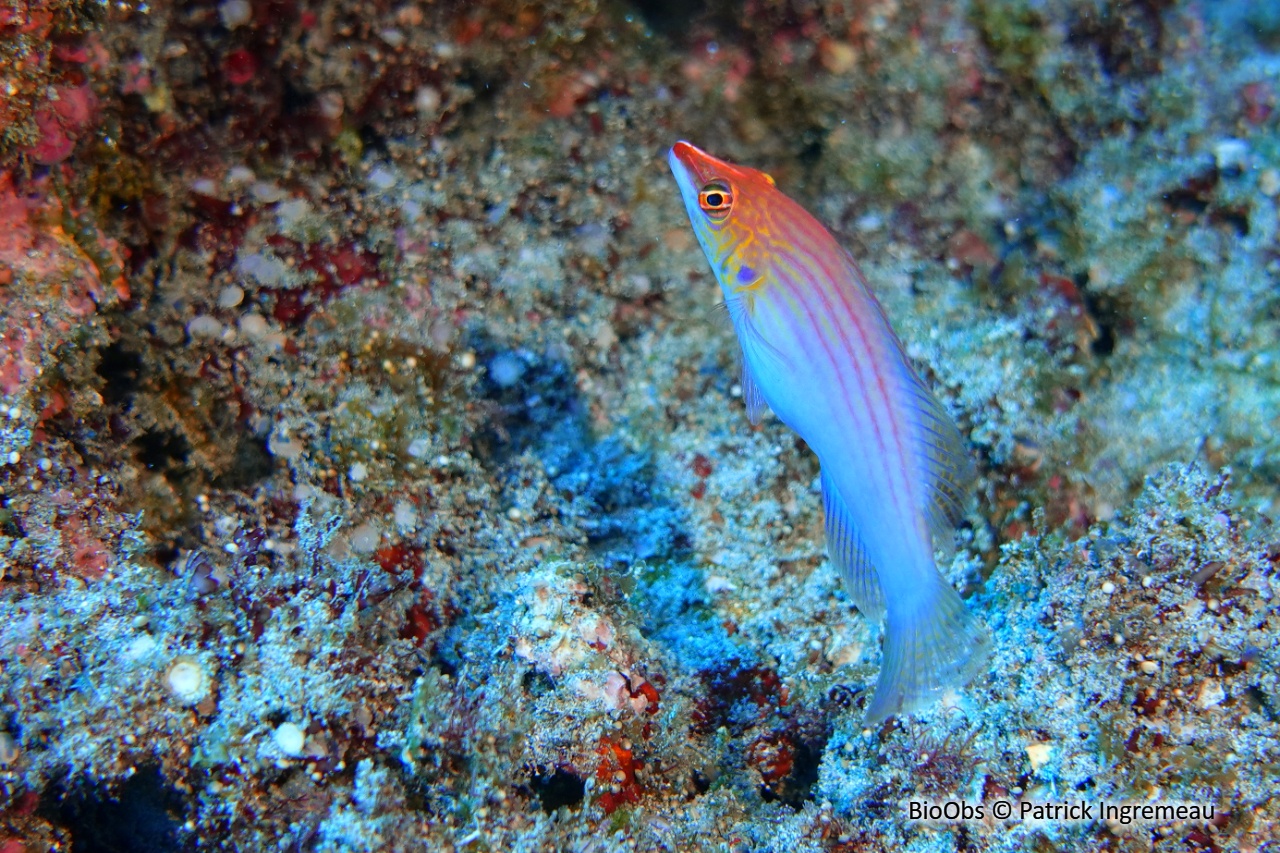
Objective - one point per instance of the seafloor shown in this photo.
(375, 474)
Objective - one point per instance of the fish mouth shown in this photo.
(686, 158)
(682, 160)
(685, 152)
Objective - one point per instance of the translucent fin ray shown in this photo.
(756, 406)
(931, 644)
(751, 342)
(847, 551)
(941, 457)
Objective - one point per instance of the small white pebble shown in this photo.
(506, 369)
(515, 514)
(331, 105)
(267, 192)
(14, 457)
(1108, 588)
(289, 213)
(365, 538)
(419, 447)
(1118, 639)
(239, 175)
(235, 13)
(467, 360)
(254, 326)
(1149, 667)
(357, 472)
(1232, 154)
(427, 101)
(284, 447)
(1039, 754)
(186, 680)
(1213, 604)
(406, 516)
(1148, 582)
(1210, 694)
(139, 647)
(381, 178)
(1269, 183)
(290, 739)
(44, 464)
(204, 326)
(231, 296)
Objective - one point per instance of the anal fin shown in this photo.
(848, 552)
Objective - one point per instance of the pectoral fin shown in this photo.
(756, 406)
(753, 346)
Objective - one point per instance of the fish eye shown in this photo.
(716, 200)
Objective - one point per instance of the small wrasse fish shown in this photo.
(817, 349)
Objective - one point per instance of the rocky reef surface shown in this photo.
(374, 473)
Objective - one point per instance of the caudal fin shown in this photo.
(932, 643)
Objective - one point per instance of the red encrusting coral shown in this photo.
(616, 773)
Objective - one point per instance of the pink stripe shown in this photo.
(880, 459)
(881, 405)
(844, 271)
(810, 249)
(815, 270)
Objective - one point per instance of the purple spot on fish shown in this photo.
(746, 274)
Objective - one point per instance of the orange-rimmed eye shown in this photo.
(716, 200)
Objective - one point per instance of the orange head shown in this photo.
(728, 205)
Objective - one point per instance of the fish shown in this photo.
(817, 349)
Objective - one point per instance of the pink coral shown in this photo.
(62, 122)
(50, 283)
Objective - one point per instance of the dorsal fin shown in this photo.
(942, 458)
